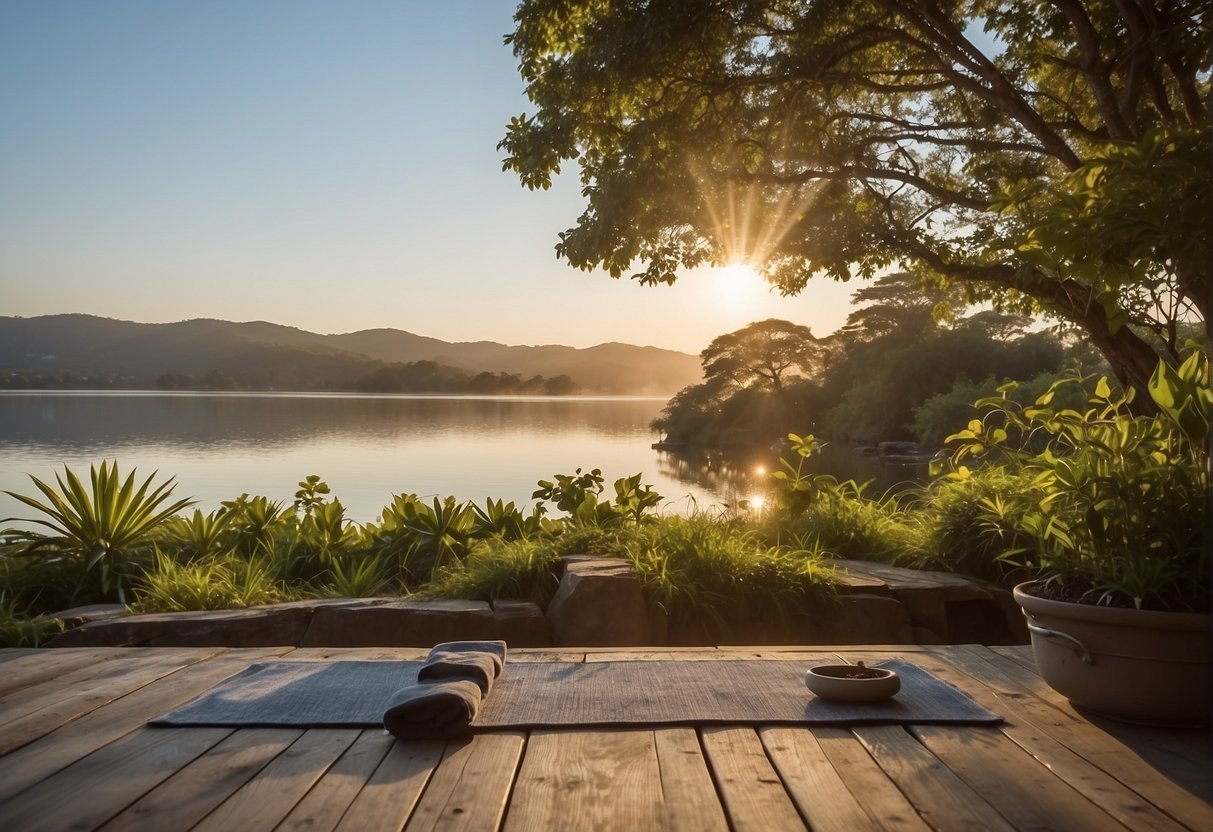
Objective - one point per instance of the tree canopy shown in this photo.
(1049, 155)
(766, 353)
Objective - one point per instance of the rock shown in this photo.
(521, 623)
(407, 623)
(865, 619)
(77, 616)
(599, 604)
(266, 627)
(900, 448)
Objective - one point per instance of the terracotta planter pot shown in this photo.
(1136, 665)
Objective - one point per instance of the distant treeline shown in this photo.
(432, 377)
(415, 377)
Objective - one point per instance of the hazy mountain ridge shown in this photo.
(260, 353)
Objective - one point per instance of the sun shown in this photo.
(737, 283)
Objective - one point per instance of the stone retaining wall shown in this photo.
(600, 603)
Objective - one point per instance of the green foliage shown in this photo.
(1130, 221)
(577, 495)
(225, 582)
(972, 522)
(19, 629)
(201, 534)
(354, 576)
(1122, 519)
(838, 138)
(718, 573)
(938, 416)
(825, 515)
(505, 520)
(517, 569)
(868, 382)
(254, 521)
(106, 527)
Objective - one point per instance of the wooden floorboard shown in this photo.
(1030, 724)
(22, 768)
(322, 808)
(1096, 747)
(688, 795)
(78, 755)
(92, 790)
(391, 792)
(471, 786)
(35, 711)
(26, 667)
(812, 782)
(195, 790)
(753, 795)
(605, 779)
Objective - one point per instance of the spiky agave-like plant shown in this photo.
(104, 526)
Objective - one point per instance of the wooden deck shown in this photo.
(77, 755)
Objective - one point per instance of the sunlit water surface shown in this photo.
(367, 448)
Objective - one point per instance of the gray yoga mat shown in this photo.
(554, 694)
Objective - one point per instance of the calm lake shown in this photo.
(367, 448)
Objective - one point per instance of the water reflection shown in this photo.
(746, 475)
(369, 448)
(366, 448)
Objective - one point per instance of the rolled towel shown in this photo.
(478, 661)
(434, 710)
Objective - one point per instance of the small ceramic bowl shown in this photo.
(852, 682)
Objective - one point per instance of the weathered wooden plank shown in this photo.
(812, 783)
(752, 793)
(388, 798)
(34, 712)
(264, 801)
(38, 760)
(322, 808)
(1023, 791)
(1030, 724)
(1183, 753)
(941, 797)
(608, 780)
(817, 649)
(689, 798)
(359, 654)
(94, 789)
(1021, 653)
(193, 792)
(1098, 748)
(877, 794)
(24, 667)
(705, 655)
(540, 655)
(471, 785)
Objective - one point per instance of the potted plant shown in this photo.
(1116, 522)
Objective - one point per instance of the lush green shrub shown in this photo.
(523, 570)
(820, 513)
(19, 629)
(716, 571)
(225, 582)
(971, 522)
(1122, 520)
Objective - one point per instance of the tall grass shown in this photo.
(224, 582)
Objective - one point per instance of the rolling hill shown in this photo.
(261, 355)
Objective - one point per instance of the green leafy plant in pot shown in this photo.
(1115, 521)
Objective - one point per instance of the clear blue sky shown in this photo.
(326, 165)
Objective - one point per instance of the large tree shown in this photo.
(767, 353)
(1048, 156)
